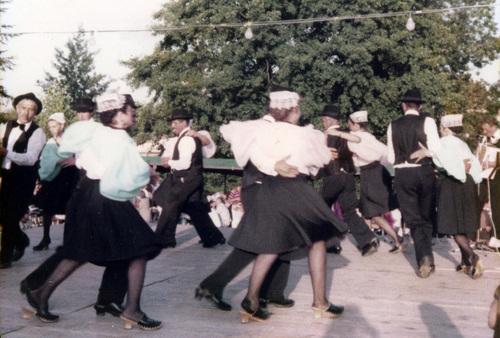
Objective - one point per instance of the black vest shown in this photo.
(407, 132)
(21, 146)
(196, 167)
(344, 161)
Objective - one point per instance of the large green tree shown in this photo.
(219, 75)
(5, 61)
(75, 70)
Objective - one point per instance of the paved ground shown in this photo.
(382, 296)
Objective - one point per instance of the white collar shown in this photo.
(185, 130)
(26, 125)
(412, 112)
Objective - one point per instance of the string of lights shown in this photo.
(410, 25)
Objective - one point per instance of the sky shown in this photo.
(33, 55)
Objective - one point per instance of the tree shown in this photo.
(5, 61)
(56, 99)
(219, 75)
(76, 70)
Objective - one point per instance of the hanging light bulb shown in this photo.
(248, 32)
(410, 24)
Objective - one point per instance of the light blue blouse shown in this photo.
(109, 155)
(49, 161)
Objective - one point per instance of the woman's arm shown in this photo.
(492, 316)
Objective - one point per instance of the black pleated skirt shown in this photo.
(54, 195)
(101, 230)
(458, 206)
(376, 190)
(283, 215)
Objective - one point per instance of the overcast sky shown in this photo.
(34, 54)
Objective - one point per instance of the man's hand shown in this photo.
(164, 161)
(284, 169)
(334, 153)
(420, 154)
(3, 151)
(67, 162)
(467, 164)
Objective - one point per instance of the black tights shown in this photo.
(465, 249)
(136, 273)
(47, 222)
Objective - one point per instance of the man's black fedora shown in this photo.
(412, 96)
(28, 96)
(180, 114)
(331, 110)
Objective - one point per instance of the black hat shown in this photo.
(180, 114)
(331, 110)
(412, 96)
(28, 96)
(84, 105)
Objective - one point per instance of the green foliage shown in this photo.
(219, 75)
(75, 70)
(56, 99)
(5, 61)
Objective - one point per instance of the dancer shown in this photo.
(273, 287)
(415, 182)
(287, 214)
(182, 190)
(58, 181)
(22, 143)
(375, 180)
(113, 286)
(339, 185)
(102, 225)
(458, 200)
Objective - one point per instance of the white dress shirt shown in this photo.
(431, 132)
(35, 146)
(208, 151)
(368, 150)
(186, 147)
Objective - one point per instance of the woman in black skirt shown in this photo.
(102, 225)
(58, 177)
(458, 199)
(287, 215)
(376, 182)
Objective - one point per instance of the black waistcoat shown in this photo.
(407, 132)
(21, 146)
(344, 161)
(196, 167)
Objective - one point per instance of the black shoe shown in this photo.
(23, 286)
(201, 293)
(113, 309)
(42, 312)
(212, 244)
(167, 245)
(43, 245)
(247, 313)
(144, 323)
(18, 253)
(282, 302)
(332, 311)
(370, 248)
(335, 249)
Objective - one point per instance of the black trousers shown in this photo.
(177, 195)
(274, 284)
(342, 188)
(113, 285)
(16, 193)
(415, 189)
